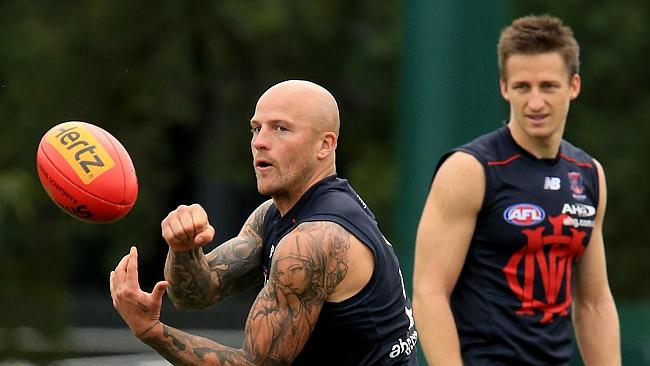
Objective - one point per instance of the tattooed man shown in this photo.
(332, 289)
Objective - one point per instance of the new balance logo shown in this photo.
(552, 183)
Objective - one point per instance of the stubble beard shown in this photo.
(284, 184)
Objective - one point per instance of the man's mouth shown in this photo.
(537, 117)
(262, 164)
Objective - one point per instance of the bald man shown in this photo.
(332, 289)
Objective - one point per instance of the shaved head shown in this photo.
(306, 101)
(295, 131)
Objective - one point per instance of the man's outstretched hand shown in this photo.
(140, 310)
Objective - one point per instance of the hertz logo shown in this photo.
(81, 150)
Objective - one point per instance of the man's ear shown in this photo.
(503, 86)
(327, 145)
(576, 84)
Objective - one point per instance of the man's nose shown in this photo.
(536, 101)
(261, 139)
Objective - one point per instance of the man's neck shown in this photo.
(541, 148)
(285, 203)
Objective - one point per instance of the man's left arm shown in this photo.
(594, 312)
(308, 264)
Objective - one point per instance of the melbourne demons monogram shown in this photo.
(549, 257)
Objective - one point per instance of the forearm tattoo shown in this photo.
(181, 349)
(308, 264)
(198, 280)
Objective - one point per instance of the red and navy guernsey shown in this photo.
(512, 301)
(373, 327)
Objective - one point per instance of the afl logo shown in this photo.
(524, 214)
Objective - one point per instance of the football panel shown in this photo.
(74, 200)
(89, 159)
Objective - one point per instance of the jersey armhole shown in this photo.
(596, 182)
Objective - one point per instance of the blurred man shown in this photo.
(332, 288)
(510, 247)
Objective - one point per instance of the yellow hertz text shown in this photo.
(81, 150)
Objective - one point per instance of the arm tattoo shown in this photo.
(181, 348)
(339, 240)
(308, 264)
(198, 280)
(189, 278)
(146, 331)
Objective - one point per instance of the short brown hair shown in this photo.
(532, 35)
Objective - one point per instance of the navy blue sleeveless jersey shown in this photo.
(373, 327)
(512, 300)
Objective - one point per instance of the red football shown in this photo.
(87, 172)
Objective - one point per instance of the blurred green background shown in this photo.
(176, 82)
